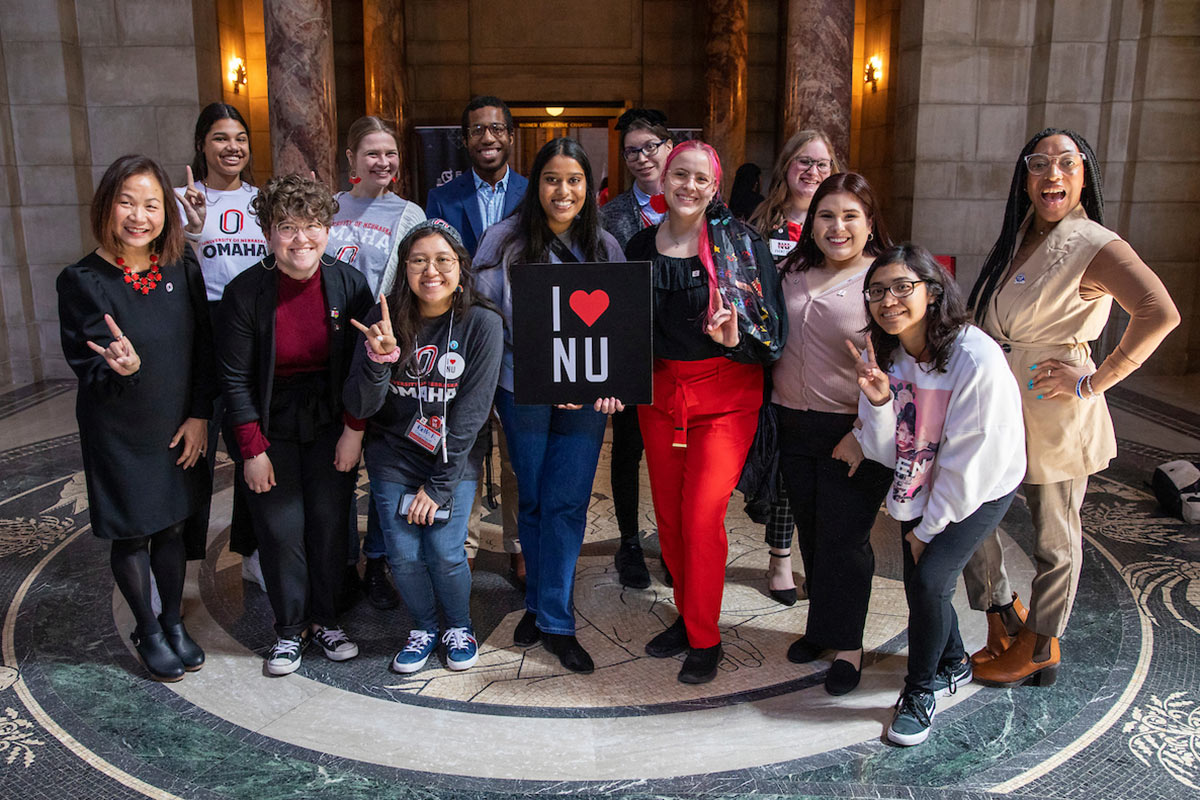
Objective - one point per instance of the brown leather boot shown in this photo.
(998, 639)
(1015, 666)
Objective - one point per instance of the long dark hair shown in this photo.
(406, 313)
(806, 254)
(997, 261)
(168, 245)
(944, 318)
(209, 116)
(531, 217)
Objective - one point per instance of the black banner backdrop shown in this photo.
(440, 157)
(581, 331)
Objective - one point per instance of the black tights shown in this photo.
(133, 559)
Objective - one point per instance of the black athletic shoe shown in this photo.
(700, 666)
(380, 592)
(670, 642)
(631, 565)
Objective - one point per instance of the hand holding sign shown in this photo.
(380, 338)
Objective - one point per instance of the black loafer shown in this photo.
(631, 565)
(526, 633)
(803, 651)
(158, 657)
(670, 642)
(842, 678)
(570, 652)
(190, 654)
(700, 666)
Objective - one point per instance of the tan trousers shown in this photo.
(1057, 554)
(508, 503)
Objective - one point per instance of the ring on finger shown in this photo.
(379, 338)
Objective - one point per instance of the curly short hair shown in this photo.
(293, 197)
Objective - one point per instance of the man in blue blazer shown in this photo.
(490, 190)
(473, 202)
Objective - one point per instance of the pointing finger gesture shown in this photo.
(120, 355)
(380, 338)
(194, 205)
(871, 379)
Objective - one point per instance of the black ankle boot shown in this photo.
(570, 652)
(526, 633)
(190, 654)
(158, 657)
(700, 666)
(631, 564)
(670, 642)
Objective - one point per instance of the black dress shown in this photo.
(125, 423)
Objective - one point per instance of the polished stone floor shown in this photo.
(79, 719)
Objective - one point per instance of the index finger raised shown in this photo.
(191, 182)
(383, 307)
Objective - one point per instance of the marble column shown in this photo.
(300, 87)
(725, 80)
(385, 71)
(814, 87)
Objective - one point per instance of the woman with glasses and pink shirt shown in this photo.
(1044, 292)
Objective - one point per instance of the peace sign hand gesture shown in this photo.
(379, 336)
(120, 355)
(871, 379)
(194, 205)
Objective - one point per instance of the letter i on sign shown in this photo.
(555, 308)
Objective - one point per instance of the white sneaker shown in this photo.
(252, 571)
(336, 644)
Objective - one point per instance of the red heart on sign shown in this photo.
(589, 307)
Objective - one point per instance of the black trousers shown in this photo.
(933, 636)
(301, 528)
(834, 513)
(625, 471)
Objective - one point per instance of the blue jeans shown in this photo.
(429, 562)
(554, 453)
(373, 545)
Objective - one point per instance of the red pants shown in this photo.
(697, 434)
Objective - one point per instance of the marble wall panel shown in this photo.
(1114, 145)
(1122, 66)
(949, 21)
(97, 22)
(48, 185)
(10, 219)
(176, 126)
(1164, 181)
(155, 23)
(41, 134)
(815, 78)
(1162, 131)
(42, 278)
(950, 74)
(1174, 18)
(69, 240)
(1076, 72)
(947, 132)
(107, 71)
(934, 179)
(725, 80)
(1003, 74)
(32, 21)
(42, 72)
(1001, 132)
(117, 130)
(1082, 20)
(1164, 231)
(1172, 68)
(1004, 23)
(1082, 117)
(981, 180)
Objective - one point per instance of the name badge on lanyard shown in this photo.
(427, 432)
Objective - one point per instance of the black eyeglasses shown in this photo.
(498, 130)
(648, 150)
(898, 289)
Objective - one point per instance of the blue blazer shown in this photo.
(456, 203)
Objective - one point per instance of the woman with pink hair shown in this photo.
(717, 320)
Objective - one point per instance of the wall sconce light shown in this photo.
(237, 73)
(555, 111)
(873, 72)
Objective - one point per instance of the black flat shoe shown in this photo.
(785, 596)
(803, 651)
(158, 657)
(526, 633)
(700, 666)
(631, 565)
(670, 642)
(570, 652)
(190, 654)
(842, 678)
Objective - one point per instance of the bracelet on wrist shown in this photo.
(390, 358)
(1088, 382)
(1087, 378)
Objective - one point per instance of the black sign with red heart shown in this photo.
(581, 331)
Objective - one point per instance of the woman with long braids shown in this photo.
(717, 320)
(1044, 292)
(135, 330)
(554, 449)
(805, 161)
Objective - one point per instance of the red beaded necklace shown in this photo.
(142, 282)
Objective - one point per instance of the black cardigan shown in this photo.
(246, 335)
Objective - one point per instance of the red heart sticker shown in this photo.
(589, 307)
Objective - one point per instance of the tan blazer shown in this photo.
(1037, 314)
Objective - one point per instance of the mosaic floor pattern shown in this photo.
(79, 719)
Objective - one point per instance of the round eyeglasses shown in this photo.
(419, 264)
(1039, 164)
(898, 289)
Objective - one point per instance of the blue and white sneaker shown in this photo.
(948, 679)
(416, 652)
(462, 651)
(914, 718)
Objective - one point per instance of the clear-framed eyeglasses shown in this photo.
(898, 289)
(498, 129)
(823, 165)
(290, 230)
(648, 150)
(443, 264)
(1039, 164)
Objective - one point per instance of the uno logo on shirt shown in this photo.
(347, 253)
(231, 221)
(423, 361)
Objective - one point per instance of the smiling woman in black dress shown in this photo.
(136, 332)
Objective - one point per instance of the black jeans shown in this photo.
(834, 513)
(933, 637)
(625, 471)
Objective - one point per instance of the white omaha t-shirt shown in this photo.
(231, 240)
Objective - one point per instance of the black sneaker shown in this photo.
(380, 592)
(284, 658)
(670, 642)
(701, 664)
(631, 565)
(948, 679)
(336, 644)
(914, 718)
